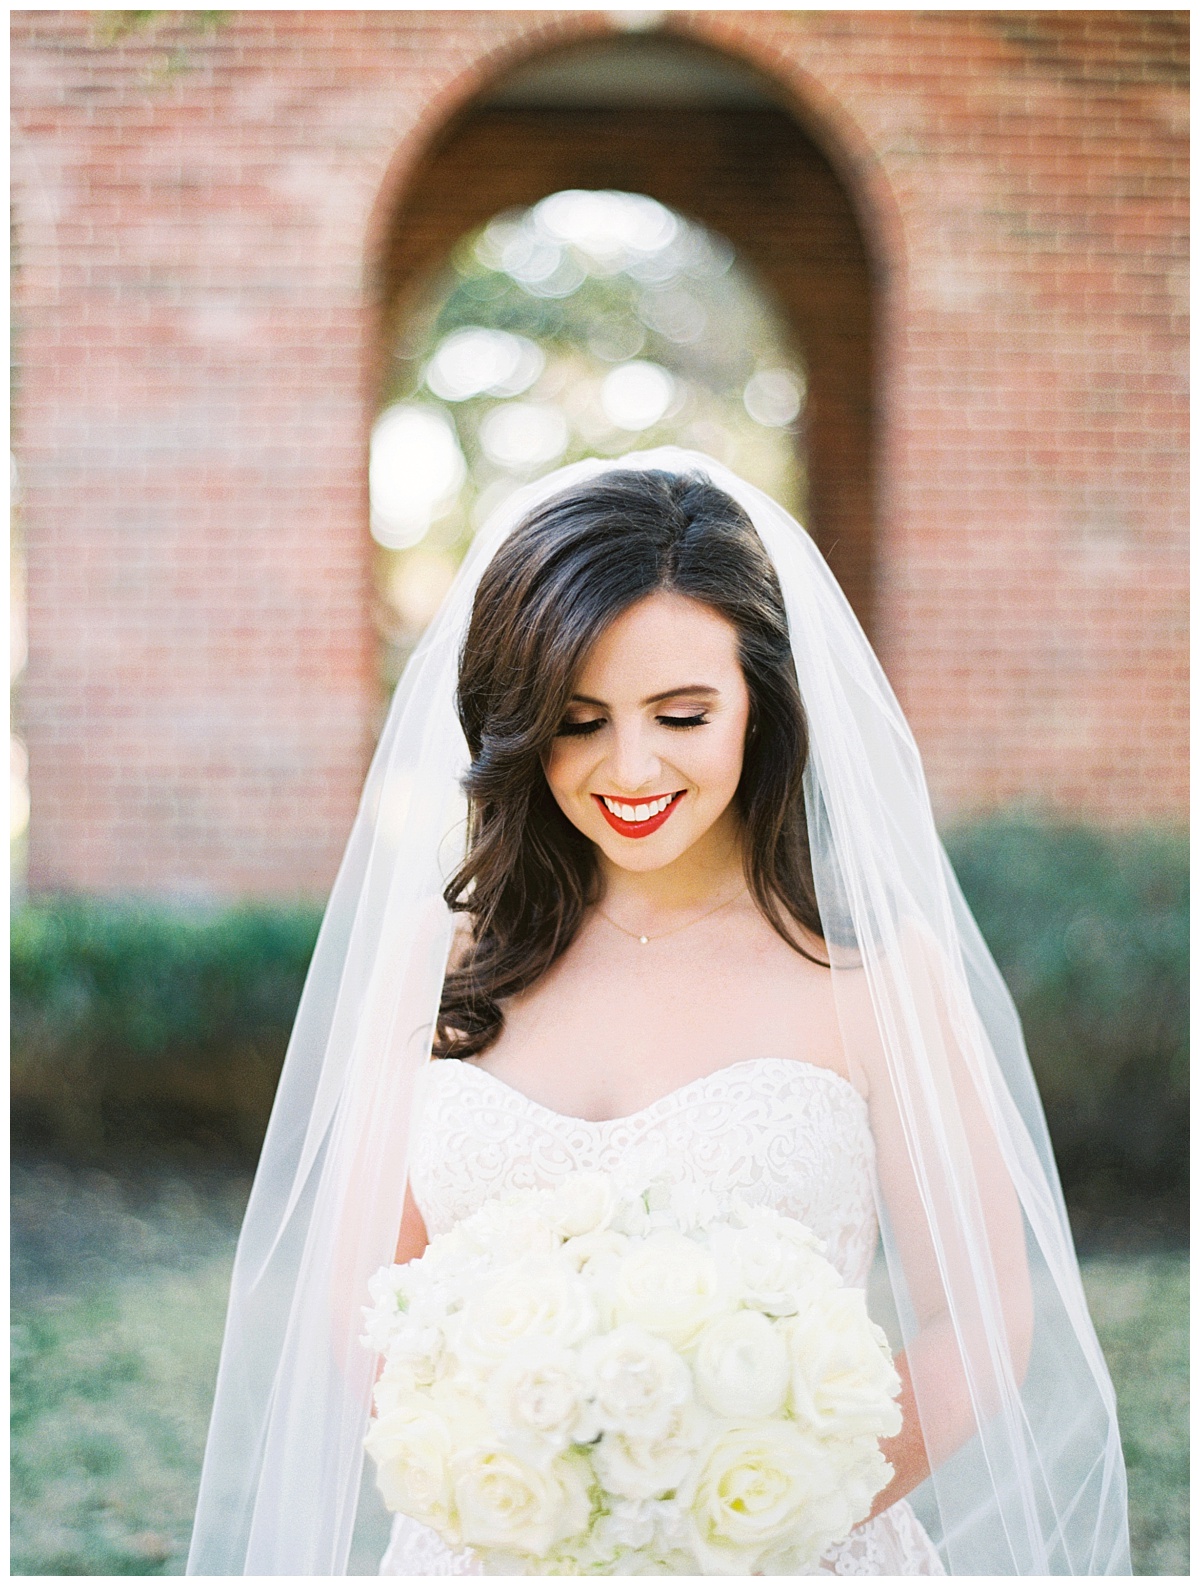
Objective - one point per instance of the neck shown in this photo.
(707, 873)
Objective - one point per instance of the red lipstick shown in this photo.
(637, 828)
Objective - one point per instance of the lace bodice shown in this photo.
(778, 1132)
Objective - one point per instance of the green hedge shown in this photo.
(120, 1006)
(1090, 931)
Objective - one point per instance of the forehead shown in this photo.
(664, 633)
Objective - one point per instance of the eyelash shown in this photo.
(584, 729)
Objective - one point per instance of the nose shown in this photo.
(633, 766)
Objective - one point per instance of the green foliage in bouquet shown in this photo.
(1090, 931)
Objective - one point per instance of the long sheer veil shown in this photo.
(1015, 1401)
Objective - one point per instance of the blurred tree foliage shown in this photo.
(685, 304)
(113, 26)
(172, 32)
(116, 1003)
(585, 290)
(1090, 931)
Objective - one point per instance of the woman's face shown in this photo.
(649, 754)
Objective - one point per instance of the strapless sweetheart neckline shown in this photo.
(679, 1093)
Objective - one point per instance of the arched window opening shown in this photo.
(591, 323)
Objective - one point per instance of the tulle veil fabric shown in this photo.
(1015, 1400)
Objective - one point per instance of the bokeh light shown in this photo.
(416, 470)
(478, 362)
(636, 395)
(586, 325)
(524, 436)
(773, 397)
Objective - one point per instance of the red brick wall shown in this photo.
(197, 256)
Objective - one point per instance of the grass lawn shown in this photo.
(1139, 1304)
(118, 1299)
(119, 1290)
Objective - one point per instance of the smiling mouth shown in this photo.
(638, 820)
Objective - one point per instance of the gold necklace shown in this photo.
(639, 937)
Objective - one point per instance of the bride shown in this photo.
(698, 920)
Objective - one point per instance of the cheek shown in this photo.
(563, 765)
(721, 761)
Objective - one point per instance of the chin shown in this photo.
(640, 860)
(642, 853)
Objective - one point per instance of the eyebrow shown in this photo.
(654, 699)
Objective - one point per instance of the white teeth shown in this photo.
(640, 812)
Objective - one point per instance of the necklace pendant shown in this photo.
(643, 940)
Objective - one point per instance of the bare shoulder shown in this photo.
(802, 997)
(805, 970)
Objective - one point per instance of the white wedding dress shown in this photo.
(779, 1132)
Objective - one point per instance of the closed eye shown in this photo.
(581, 729)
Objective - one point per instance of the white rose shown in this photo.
(447, 1251)
(636, 1381)
(741, 1365)
(439, 1281)
(412, 1446)
(651, 1561)
(512, 1229)
(615, 1541)
(775, 1260)
(602, 1242)
(631, 1216)
(413, 1364)
(394, 1389)
(504, 1503)
(596, 1258)
(583, 1203)
(692, 1206)
(863, 1474)
(670, 1285)
(417, 1348)
(759, 1488)
(843, 1382)
(385, 1313)
(534, 1299)
(536, 1403)
(459, 1405)
(642, 1467)
(630, 1524)
(386, 1288)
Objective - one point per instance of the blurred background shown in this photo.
(298, 298)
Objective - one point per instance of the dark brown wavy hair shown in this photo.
(572, 566)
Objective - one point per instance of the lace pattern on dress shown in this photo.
(777, 1131)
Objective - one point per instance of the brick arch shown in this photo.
(752, 174)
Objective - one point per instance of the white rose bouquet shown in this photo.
(606, 1380)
